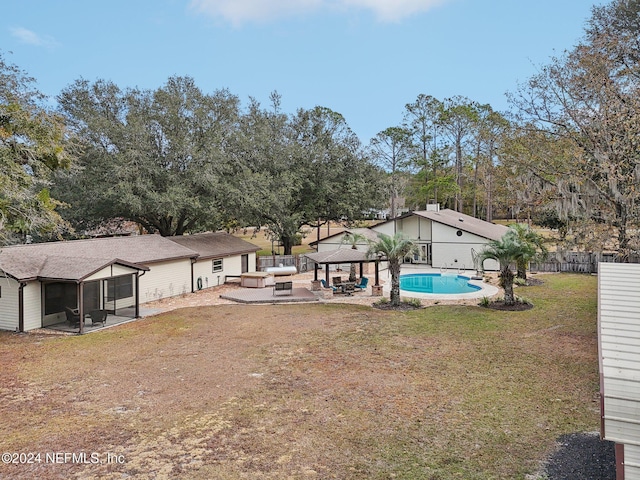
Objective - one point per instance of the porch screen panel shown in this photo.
(59, 295)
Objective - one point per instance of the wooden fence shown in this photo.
(300, 262)
(578, 262)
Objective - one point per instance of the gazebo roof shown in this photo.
(341, 255)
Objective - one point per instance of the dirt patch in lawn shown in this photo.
(298, 392)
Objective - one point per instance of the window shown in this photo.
(119, 288)
(217, 265)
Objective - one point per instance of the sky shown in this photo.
(365, 59)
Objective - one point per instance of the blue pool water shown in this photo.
(436, 283)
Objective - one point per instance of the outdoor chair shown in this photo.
(362, 284)
(98, 316)
(72, 317)
(337, 280)
(349, 288)
(323, 282)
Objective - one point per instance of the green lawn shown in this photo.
(310, 391)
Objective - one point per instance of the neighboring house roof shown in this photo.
(77, 259)
(460, 221)
(215, 245)
(365, 232)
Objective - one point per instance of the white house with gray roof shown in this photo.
(445, 238)
(40, 282)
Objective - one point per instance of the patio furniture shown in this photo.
(348, 288)
(286, 287)
(337, 280)
(323, 282)
(362, 284)
(72, 316)
(98, 316)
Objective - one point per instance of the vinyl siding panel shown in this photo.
(631, 462)
(619, 357)
(9, 304)
(111, 271)
(230, 266)
(32, 306)
(165, 279)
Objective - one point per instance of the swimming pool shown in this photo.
(437, 283)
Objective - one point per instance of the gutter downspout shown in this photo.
(193, 261)
(138, 275)
(21, 307)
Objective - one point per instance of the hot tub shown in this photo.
(257, 280)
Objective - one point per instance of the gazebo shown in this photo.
(340, 256)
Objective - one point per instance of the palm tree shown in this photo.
(393, 249)
(505, 251)
(353, 239)
(533, 247)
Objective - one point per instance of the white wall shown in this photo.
(165, 279)
(9, 309)
(32, 306)
(9, 304)
(230, 266)
(619, 357)
(448, 247)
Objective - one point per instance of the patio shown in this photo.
(123, 316)
(265, 295)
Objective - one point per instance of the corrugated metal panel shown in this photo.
(619, 349)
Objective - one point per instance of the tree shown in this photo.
(421, 118)
(532, 244)
(506, 251)
(153, 157)
(393, 149)
(394, 249)
(307, 169)
(34, 142)
(353, 239)
(590, 97)
(457, 119)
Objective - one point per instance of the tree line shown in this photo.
(176, 160)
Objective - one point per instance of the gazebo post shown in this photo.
(315, 271)
(361, 270)
(326, 268)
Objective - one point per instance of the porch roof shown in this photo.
(341, 255)
(45, 267)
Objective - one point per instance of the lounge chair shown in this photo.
(323, 282)
(98, 316)
(72, 317)
(362, 284)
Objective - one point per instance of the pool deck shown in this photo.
(486, 290)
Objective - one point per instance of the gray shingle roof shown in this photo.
(217, 244)
(466, 223)
(76, 259)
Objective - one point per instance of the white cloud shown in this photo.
(32, 38)
(241, 11)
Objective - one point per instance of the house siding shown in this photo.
(619, 358)
(114, 270)
(631, 462)
(32, 306)
(9, 304)
(455, 251)
(165, 279)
